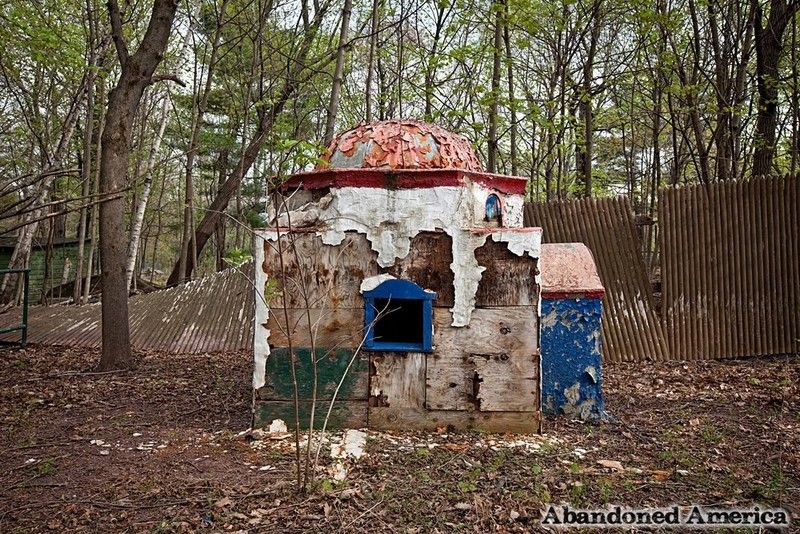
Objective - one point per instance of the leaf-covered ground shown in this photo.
(159, 449)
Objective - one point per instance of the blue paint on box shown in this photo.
(571, 357)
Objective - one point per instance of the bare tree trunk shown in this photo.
(138, 216)
(400, 59)
(159, 225)
(136, 74)
(373, 45)
(497, 43)
(512, 104)
(86, 174)
(22, 250)
(338, 74)
(266, 119)
(198, 112)
(220, 229)
(584, 147)
(795, 103)
(430, 67)
(94, 230)
(769, 48)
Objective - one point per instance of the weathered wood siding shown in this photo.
(483, 376)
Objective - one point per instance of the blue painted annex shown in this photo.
(571, 343)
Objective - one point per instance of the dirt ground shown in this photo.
(158, 449)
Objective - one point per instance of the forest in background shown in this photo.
(584, 97)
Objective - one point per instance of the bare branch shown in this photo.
(167, 77)
(116, 31)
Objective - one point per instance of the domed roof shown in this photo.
(400, 144)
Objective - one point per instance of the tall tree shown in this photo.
(769, 49)
(136, 73)
(338, 74)
(267, 115)
(497, 43)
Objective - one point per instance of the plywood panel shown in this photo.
(491, 330)
(331, 275)
(397, 379)
(507, 382)
(509, 280)
(492, 365)
(338, 327)
(449, 382)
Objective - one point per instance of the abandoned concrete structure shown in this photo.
(406, 270)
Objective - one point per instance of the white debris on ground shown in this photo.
(351, 443)
(141, 446)
(351, 446)
(277, 425)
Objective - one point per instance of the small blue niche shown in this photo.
(398, 317)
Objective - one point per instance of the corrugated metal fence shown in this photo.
(211, 314)
(730, 267)
(631, 329)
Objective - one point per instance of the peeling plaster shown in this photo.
(368, 284)
(260, 335)
(391, 218)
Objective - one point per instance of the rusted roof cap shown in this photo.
(568, 270)
(400, 144)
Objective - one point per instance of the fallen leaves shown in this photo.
(677, 437)
(612, 464)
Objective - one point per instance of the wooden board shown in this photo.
(397, 380)
(449, 382)
(331, 368)
(507, 382)
(509, 280)
(428, 266)
(492, 365)
(332, 274)
(336, 327)
(414, 419)
(345, 414)
(491, 330)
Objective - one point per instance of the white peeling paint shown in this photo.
(260, 331)
(520, 243)
(390, 218)
(467, 274)
(368, 284)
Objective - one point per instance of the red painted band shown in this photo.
(560, 295)
(404, 179)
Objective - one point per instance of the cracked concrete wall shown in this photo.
(571, 357)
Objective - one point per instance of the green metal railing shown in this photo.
(23, 328)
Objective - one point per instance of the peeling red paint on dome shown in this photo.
(400, 144)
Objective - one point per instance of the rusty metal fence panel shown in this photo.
(211, 314)
(730, 265)
(631, 328)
